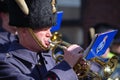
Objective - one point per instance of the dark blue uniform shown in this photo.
(22, 64)
(5, 39)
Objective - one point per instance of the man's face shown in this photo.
(43, 35)
(36, 40)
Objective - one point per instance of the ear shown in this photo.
(21, 30)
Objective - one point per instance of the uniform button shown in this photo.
(39, 63)
(8, 55)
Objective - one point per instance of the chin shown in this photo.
(46, 49)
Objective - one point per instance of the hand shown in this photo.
(105, 55)
(72, 54)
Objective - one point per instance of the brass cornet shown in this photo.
(82, 67)
(109, 66)
(55, 42)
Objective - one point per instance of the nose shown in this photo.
(49, 34)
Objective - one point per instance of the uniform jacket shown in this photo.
(22, 64)
(5, 39)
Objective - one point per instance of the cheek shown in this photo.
(40, 36)
(30, 39)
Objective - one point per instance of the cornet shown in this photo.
(82, 67)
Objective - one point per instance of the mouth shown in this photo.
(47, 43)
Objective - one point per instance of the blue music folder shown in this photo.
(99, 44)
(58, 22)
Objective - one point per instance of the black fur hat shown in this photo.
(32, 13)
(3, 6)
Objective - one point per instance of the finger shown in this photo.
(75, 49)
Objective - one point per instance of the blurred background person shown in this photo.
(100, 28)
(112, 50)
(115, 50)
(7, 33)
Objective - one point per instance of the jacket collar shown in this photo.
(19, 51)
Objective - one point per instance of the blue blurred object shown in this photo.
(100, 44)
(58, 24)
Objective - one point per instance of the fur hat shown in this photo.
(3, 6)
(32, 13)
